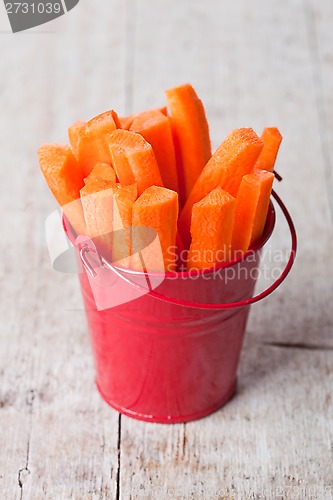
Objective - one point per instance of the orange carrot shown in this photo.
(126, 121)
(133, 160)
(101, 171)
(65, 179)
(191, 128)
(156, 209)
(251, 208)
(124, 197)
(272, 139)
(74, 134)
(211, 229)
(155, 128)
(178, 156)
(92, 147)
(234, 158)
(97, 203)
(115, 118)
(107, 210)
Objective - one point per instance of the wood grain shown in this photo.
(253, 64)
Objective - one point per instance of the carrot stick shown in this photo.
(74, 134)
(124, 197)
(155, 128)
(191, 128)
(211, 229)
(178, 156)
(97, 203)
(234, 158)
(65, 179)
(133, 160)
(92, 147)
(126, 121)
(102, 171)
(272, 139)
(251, 208)
(156, 209)
(107, 210)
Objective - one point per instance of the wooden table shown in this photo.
(253, 64)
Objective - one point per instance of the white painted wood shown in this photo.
(254, 64)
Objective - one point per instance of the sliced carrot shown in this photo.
(156, 209)
(107, 210)
(211, 229)
(234, 158)
(61, 171)
(115, 118)
(178, 156)
(65, 179)
(97, 203)
(92, 147)
(124, 197)
(101, 171)
(272, 139)
(191, 128)
(74, 134)
(126, 121)
(155, 128)
(251, 208)
(133, 160)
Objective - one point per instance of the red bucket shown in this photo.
(170, 352)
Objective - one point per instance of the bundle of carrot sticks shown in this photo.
(150, 181)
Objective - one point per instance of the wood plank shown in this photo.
(308, 290)
(320, 42)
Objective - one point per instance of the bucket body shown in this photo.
(169, 362)
(170, 365)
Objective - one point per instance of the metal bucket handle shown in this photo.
(85, 249)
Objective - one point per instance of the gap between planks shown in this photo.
(24, 472)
